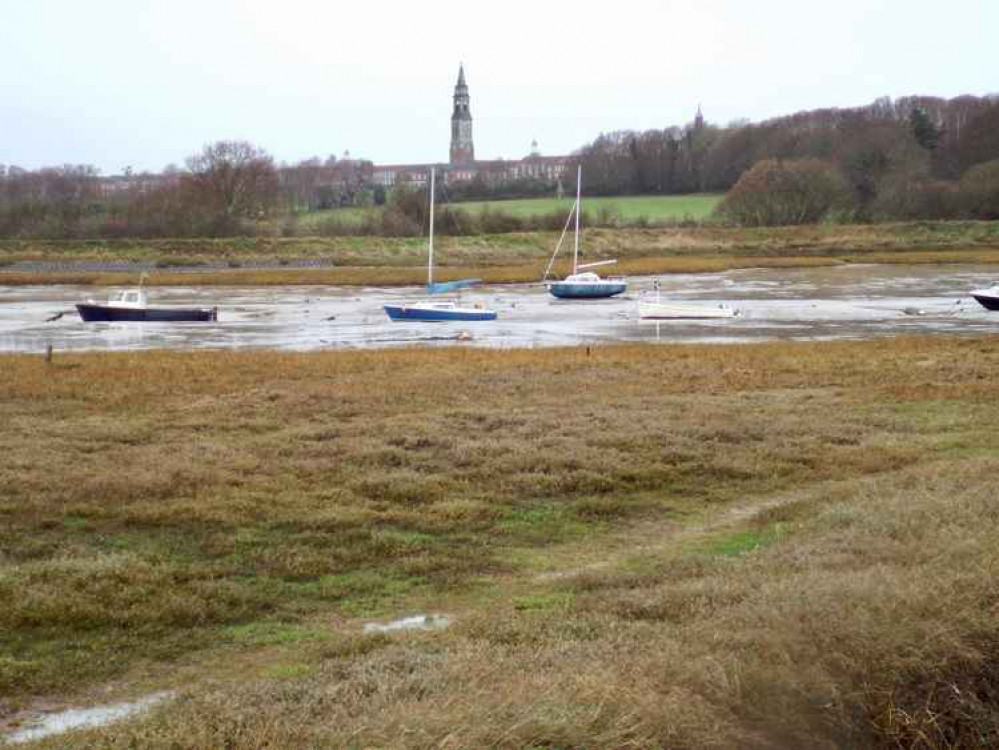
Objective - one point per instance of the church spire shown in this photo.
(462, 148)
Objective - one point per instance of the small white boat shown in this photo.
(655, 308)
(650, 310)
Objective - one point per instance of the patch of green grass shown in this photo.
(368, 593)
(542, 602)
(274, 633)
(542, 524)
(736, 543)
(291, 671)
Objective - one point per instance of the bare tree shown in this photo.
(234, 180)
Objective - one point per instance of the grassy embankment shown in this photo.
(521, 257)
(689, 546)
(649, 208)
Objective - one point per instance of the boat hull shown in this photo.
(675, 311)
(106, 314)
(401, 312)
(602, 290)
(988, 301)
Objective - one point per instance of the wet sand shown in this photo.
(844, 302)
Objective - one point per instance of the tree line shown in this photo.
(912, 158)
(916, 157)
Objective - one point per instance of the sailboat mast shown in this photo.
(575, 250)
(430, 259)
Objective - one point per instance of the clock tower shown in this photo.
(462, 149)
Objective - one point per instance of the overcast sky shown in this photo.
(142, 83)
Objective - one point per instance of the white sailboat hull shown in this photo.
(649, 310)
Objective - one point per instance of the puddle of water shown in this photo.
(83, 718)
(416, 622)
(843, 302)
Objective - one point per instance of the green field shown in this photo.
(654, 208)
(630, 208)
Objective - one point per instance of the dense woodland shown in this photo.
(917, 157)
(912, 158)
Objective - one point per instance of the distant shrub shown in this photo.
(907, 199)
(979, 192)
(780, 193)
(498, 222)
(289, 227)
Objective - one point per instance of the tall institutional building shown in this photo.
(462, 148)
(462, 164)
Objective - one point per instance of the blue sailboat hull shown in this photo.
(400, 312)
(568, 290)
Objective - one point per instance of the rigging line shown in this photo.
(559, 245)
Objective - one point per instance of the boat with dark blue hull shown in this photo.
(586, 285)
(132, 306)
(437, 311)
(987, 298)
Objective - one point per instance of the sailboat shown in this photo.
(585, 285)
(438, 310)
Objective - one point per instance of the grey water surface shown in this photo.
(58, 722)
(840, 302)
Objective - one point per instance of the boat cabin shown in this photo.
(128, 298)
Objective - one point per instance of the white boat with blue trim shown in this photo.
(585, 285)
(431, 310)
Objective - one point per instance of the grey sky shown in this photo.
(134, 82)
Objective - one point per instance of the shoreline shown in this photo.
(269, 272)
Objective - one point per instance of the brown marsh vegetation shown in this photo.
(508, 258)
(775, 545)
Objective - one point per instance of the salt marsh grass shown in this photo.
(574, 510)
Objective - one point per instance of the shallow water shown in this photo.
(842, 302)
(416, 622)
(81, 718)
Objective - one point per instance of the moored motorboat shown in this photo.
(987, 298)
(132, 305)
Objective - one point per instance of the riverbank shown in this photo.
(825, 303)
(506, 258)
(772, 543)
